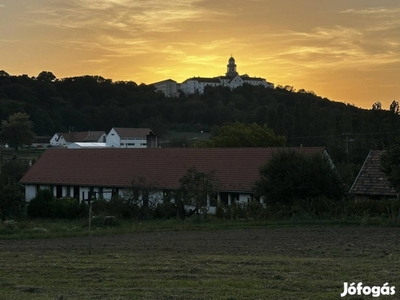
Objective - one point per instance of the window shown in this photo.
(58, 191)
(76, 192)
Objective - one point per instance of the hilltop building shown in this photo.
(193, 85)
(169, 87)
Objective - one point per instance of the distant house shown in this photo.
(371, 182)
(65, 139)
(131, 138)
(109, 171)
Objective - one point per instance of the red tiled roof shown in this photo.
(235, 168)
(132, 132)
(371, 180)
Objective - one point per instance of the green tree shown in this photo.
(46, 76)
(15, 168)
(246, 135)
(42, 205)
(16, 131)
(280, 115)
(390, 165)
(394, 107)
(195, 186)
(142, 192)
(290, 178)
(377, 105)
(11, 198)
(4, 74)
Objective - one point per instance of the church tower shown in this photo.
(231, 70)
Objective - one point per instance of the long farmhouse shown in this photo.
(107, 172)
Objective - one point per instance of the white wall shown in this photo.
(244, 198)
(58, 140)
(133, 143)
(53, 140)
(154, 197)
(30, 192)
(113, 139)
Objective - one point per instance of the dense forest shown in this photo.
(95, 103)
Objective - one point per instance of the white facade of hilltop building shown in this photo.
(232, 79)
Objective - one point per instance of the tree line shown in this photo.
(84, 103)
(95, 103)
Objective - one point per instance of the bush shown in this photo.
(374, 208)
(41, 205)
(66, 208)
(100, 207)
(121, 208)
(12, 201)
(253, 210)
(45, 205)
(106, 221)
(164, 211)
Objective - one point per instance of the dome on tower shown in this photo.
(231, 68)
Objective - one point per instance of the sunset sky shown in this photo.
(345, 50)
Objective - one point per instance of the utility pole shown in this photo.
(89, 200)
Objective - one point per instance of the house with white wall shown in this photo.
(112, 171)
(131, 138)
(65, 139)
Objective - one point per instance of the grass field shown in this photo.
(307, 262)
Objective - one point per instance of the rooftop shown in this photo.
(235, 168)
(371, 180)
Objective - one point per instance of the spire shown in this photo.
(231, 67)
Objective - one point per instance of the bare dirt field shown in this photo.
(262, 263)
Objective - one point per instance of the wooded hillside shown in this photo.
(95, 103)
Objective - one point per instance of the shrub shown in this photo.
(10, 225)
(66, 208)
(164, 211)
(41, 205)
(255, 210)
(45, 205)
(106, 221)
(100, 207)
(374, 208)
(12, 201)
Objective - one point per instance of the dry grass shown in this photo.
(267, 263)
